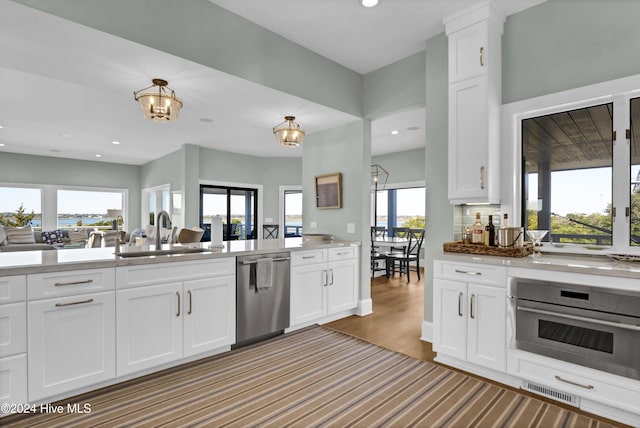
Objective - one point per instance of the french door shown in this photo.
(237, 206)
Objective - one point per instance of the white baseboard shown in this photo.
(365, 307)
(427, 331)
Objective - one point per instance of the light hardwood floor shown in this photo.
(397, 317)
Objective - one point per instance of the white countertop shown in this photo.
(595, 265)
(21, 262)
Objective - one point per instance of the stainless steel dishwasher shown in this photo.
(262, 310)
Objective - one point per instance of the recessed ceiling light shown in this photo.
(65, 135)
(394, 132)
(115, 143)
(369, 3)
(1, 126)
(98, 156)
(55, 150)
(413, 128)
(1, 144)
(206, 120)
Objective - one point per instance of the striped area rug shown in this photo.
(314, 377)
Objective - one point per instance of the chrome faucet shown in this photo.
(158, 226)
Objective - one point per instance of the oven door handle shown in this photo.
(579, 318)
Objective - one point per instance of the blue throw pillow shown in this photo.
(52, 237)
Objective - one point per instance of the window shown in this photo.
(292, 213)
(400, 207)
(237, 206)
(567, 174)
(65, 207)
(12, 198)
(82, 208)
(634, 222)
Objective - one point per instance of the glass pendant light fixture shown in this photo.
(288, 133)
(161, 105)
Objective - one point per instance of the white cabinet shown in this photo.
(172, 311)
(469, 313)
(474, 104)
(13, 340)
(71, 343)
(323, 283)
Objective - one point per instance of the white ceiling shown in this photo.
(67, 90)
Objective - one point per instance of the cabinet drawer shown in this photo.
(343, 253)
(617, 393)
(141, 275)
(58, 284)
(13, 289)
(470, 272)
(13, 380)
(13, 329)
(299, 258)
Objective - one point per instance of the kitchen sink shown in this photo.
(131, 252)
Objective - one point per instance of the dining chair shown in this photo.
(411, 254)
(270, 231)
(190, 236)
(377, 232)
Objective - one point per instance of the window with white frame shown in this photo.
(17, 203)
(400, 207)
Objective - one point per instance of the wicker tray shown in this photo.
(459, 247)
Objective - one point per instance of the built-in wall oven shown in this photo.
(590, 326)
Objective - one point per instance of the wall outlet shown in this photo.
(268, 220)
(351, 228)
(313, 225)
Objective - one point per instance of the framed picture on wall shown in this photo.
(329, 190)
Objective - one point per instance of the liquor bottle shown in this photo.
(490, 233)
(477, 231)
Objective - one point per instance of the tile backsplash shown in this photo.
(465, 215)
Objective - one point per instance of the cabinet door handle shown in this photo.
(190, 303)
(308, 257)
(178, 313)
(482, 177)
(472, 311)
(331, 270)
(468, 272)
(481, 56)
(460, 304)
(62, 284)
(573, 383)
(326, 277)
(61, 305)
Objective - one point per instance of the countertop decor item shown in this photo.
(160, 106)
(288, 133)
(460, 247)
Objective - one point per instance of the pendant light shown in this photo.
(288, 133)
(161, 105)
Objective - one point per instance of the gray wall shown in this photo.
(212, 36)
(17, 168)
(439, 214)
(403, 167)
(345, 149)
(564, 44)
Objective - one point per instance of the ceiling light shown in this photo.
(98, 156)
(115, 143)
(394, 132)
(288, 133)
(1, 144)
(369, 3)
(160, 106)
(1, 126)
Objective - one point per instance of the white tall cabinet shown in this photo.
(13, 340)
(474, 104)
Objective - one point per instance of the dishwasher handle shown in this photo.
(253, 262)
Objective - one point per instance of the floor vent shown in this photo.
(551, 393)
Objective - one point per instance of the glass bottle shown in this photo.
(490, 233)
(477, 231)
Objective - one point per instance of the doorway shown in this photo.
(238, 207)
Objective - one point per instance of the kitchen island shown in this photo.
(80, 319)
(562, 326)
